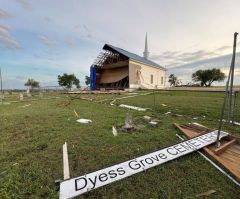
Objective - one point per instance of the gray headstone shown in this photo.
(128, 121)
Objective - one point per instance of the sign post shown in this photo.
(79, 185)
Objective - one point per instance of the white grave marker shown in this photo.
(79, 185)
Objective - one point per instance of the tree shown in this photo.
(172, 79)
(87, 80)
(207, 77)
(68, 81)
(32, 83)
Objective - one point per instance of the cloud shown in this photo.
(222, 62)
(225, 70)
(223, 48)
(176, 57)
(86, 32)
(6, 40)
(25, 4)
(46, 41)
(4, 14)
(71, 42)
(173, 58)
(47, 19)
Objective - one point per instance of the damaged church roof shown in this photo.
(132, 56)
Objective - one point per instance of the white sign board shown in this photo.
(79, 185)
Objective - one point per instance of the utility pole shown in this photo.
(228, 93)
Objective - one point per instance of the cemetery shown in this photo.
(33, 138)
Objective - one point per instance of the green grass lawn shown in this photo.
(32, 138)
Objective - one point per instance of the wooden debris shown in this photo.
(224, 147)
(66, 172)
(76, 113)
(227, 156)
(207, 193)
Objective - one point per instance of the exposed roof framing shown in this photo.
(107, 57)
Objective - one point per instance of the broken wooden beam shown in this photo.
(223, 147)
(66, 172)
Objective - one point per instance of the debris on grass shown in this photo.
(86, 98)
(173, 114)
(114, 131)
(132, 93)
(163, 104)
(76, 113)
(153, 123)
(195, 123)
(133, 107)
(84, 121)
(236, 123)
(146, 118)
(27, 105)
(207, 193)
(195, 118)
(112, 102)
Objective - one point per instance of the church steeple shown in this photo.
(146, 52)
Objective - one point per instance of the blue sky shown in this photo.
(44, 38)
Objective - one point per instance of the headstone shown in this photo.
(128, 122)
(28, 92)
(21, 97)
(40, 94)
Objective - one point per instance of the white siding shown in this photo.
(140, 76)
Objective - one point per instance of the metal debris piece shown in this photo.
(133, 107)
(153, 123)
(84, 121)
(146, 118)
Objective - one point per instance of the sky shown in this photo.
(42, 39)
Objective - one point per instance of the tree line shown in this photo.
(67, 81)
(201, 77)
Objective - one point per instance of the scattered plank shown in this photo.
(66, 172)
(133, 107)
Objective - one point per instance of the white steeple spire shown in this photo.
(146, 52)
